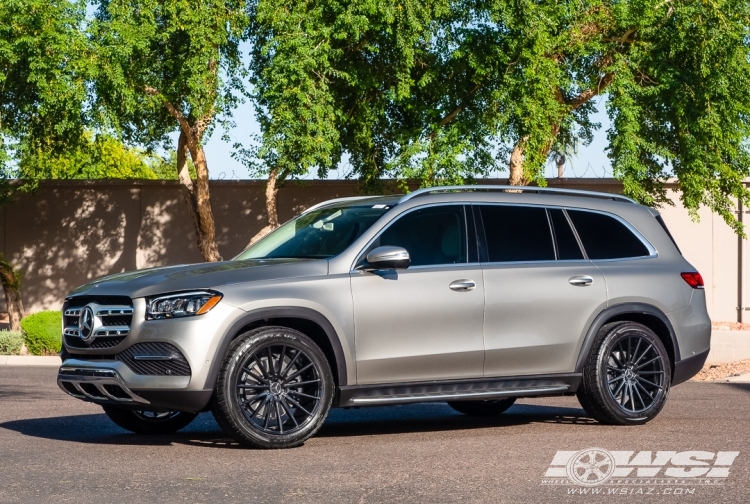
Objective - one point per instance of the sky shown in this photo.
(590, 161)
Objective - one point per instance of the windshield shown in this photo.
(320, 234)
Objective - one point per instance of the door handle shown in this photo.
(463, 285)
(581, 280)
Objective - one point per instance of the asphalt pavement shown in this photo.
(54, 448)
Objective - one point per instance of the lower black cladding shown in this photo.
(155, 359)
(148, 359)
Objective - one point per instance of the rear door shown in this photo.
(541, 293)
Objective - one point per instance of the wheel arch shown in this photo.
(643, 313)
(308, 321)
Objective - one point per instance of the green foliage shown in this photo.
(151, 53)
(11, 342)
(440, 91)
(43, 332)
(103, 157)
(165, 167)
(45, 67)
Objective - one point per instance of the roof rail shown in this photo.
(335, 200)
(515, 189)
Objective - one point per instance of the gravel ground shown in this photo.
(714, 372)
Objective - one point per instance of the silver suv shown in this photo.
(471, 295)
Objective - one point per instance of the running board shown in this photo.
(460, 390)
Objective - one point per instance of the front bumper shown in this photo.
(102, 383)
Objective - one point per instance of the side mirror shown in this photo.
(387, 257)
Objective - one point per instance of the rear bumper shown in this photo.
(687, 368)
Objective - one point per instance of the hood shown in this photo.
(152, 281)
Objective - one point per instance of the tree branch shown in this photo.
(173, 111)
(453, 113)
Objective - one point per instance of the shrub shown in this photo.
(43, 332)
(10, 342)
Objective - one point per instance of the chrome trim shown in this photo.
(114, 311)
(463, 285)
(98, 377)
(516, 189)
(73, 312)
(581, 280)
(113, 331)
(154, 357)
(388, 253)
(444, 397)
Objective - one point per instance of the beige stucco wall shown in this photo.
(71, 232)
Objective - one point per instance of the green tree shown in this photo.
(676, 75)
(166, 66)
(44, 70)
(333, 78)
(103, 157)
(442, 91)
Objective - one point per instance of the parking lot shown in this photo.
(56, 448)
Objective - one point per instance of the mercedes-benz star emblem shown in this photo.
(86, 323)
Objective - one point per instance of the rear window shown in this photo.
(516, 233)
(604, 237)
(567, 245)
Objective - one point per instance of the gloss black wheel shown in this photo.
(149, 422)
(274, 389)
(626, 378)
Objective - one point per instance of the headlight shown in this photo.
(183, 304)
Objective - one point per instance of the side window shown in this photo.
(434, 235)
(516, 233)
(604, 237)
(567, 245)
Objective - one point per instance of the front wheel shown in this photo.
(149, 422)
(274, 389)
(627, 375)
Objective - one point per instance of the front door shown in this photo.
(423, 323)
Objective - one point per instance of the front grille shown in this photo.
(112, 318)
(76, 342)
(155, 359)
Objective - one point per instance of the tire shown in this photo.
(276, 406)
(622, 383)
(149, 422)
(482, 408)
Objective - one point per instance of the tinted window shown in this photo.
(435, 235)
(605, 237)
(517, 233)
(567, 245)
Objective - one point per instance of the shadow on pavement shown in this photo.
(204, 431)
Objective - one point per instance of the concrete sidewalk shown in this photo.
(29, 360)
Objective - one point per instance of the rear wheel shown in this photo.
(482, 408)
(274, 389)
(149, 422)
(627, 375)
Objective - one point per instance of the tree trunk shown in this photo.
(560, 166)
(516, 163)
(272, 215)
(197, 196)
(11, 281)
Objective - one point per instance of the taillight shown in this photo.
(693, 279)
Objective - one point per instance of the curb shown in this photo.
(728, 346)
(29, 360)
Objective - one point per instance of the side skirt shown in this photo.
(457, 390)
